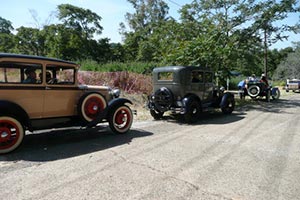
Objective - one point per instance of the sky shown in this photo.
(19, 12)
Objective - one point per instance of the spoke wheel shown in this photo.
(11, 134)
(120, 119)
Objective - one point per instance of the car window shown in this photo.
(197, 77)
(208, 76)
(165, 76)
(61, 74)
(22, 73)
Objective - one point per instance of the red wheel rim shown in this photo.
(93, 106)
(122, 118)
(9, 134)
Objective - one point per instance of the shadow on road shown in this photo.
(61, 144)
(275, 106)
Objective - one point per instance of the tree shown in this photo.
(84, 21)
(30, 41)
(6, 36)
(149, 15)
(266, 15)
(290, 67)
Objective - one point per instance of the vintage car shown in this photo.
(187, 90)
(256, 89)
(39, 93)
(293, 85)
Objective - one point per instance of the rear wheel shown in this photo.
(193, 111)
(156, 114)
(11, 134)
(120, 119)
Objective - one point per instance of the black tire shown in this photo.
(11, 134)
(193, 110)
(268, 95)
(229, 105)
(90, 105)
(253, 91)
(276, 95)
(163, 99)
(157, 115)
(120, 119)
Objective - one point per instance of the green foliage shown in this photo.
(136, 67)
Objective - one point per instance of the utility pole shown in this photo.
(265, 53)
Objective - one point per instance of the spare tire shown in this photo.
(163, 99)
(90, 105)
(253, 90)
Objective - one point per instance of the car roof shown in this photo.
(180, 68)
(11, 55)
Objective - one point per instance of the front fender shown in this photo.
(117, 102)
(225, 98)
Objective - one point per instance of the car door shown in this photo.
(61, 93)
(197, 85)
(209, 87)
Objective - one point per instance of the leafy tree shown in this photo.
(30, 41)
(290, 67)
(6, 36)
(84, 21)
(266, 15)
(148, 16)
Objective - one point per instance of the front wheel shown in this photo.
(228, 106)
(120, 119)
(276, 94)
(11, 134)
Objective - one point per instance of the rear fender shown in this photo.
(8, 108)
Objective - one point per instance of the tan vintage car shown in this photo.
(39, 93)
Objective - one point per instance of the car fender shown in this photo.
(186, 100)
(117, 102)
(12, 109)
(225, 98)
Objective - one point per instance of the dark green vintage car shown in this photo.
(187, 90)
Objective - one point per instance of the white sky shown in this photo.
(112, 13)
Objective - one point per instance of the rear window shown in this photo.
(165, 76)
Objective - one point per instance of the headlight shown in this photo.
(116, 93)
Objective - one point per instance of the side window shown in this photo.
(26, 73)
(208, 76)
(197, 77)
(165, 76)
(60, 75)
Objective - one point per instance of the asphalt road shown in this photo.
(252, 154)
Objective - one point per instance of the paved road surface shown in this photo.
(252, 154)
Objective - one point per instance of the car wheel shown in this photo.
(228, 106)
(276, 94)
(11, 134)
(193, 111)
(120, 119)
(253, 91)
(156, 114)
(268, 95)
(90, 105)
